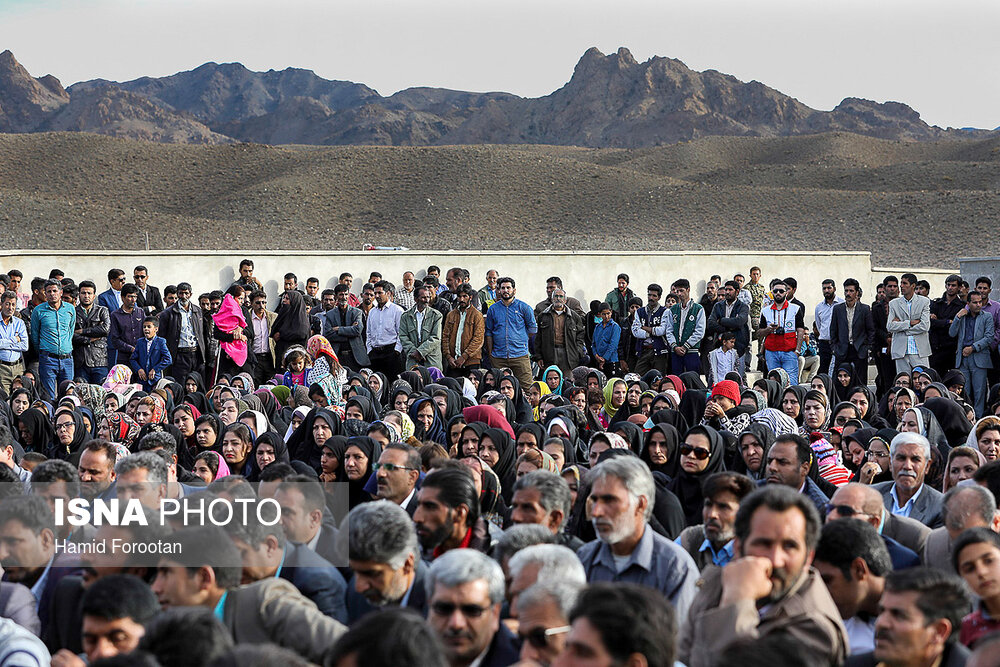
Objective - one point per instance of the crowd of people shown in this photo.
(468, 480)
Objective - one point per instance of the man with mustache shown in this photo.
(921, 611)
(770, 590)
(711, 543)
(907, 495)
(626, 548)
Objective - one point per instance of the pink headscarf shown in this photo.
(488, 415)
(229, 319)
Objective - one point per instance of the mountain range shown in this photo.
(611, 101)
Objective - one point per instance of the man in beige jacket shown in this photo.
(771, 589)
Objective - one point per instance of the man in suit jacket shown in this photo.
(420, 332)
(909, 532)
(182, 325)
(909, 324)
(150, 358)
(262, 320)
(149, 297)
(112, 297)
(907, 495)
(973, 332)
(343, 326)
(316, 578)
(731, 314)
(384, 555)
(852, 330)
(964, 507)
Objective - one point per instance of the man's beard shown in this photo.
(436, 538)
(183, 302)
(617, 533)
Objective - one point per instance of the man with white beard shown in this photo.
(626, 548)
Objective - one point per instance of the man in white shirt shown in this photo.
(821, 323)
(382, 332)
(263, 345)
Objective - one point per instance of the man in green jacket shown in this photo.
(420, 332)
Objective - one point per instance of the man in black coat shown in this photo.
(186, 341)
(149, 301)
(851, 337)
(731, 314)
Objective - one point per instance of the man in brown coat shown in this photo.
(462, 334)
(560, 340)
(770, 589)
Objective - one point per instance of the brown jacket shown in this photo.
(807, 614)
(274, 611)
(473, 335)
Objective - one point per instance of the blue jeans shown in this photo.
(975, 385)
(95, 375)
(787, 360)
(682, 364)
(52, 371)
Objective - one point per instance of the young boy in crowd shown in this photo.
(150, 356)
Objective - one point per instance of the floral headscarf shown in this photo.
(123, 429)
(319, 346)
(118, 379)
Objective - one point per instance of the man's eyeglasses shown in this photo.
(448, 608)
(539, 637)
(389, 467)
(697, 452)
(844, 511)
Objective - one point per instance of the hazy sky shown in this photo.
(941, 58)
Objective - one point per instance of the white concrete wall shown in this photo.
(586, 275)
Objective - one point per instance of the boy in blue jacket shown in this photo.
(606, 337)
(151, 356)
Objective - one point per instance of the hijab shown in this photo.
(302, 446)
(773, 391)
(80, 435)
(782, 378)
(632, 434)
(505, 466)
(356, 488)
(800, 395)
(536, 430)
(436, 432)
(37, 424)
(843, 393)
(673, 440)
(692, 406)
(672, 417)
(951, 417)
(687, 486)
(765, 437)
(292, 322)
(488, 415)
(522, 407)
(364, 404)
(692, 380)
(562, 381)
(677, 385)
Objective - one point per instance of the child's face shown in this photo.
(297, 365)
(729, 344)
(606, 315)
(148, 330)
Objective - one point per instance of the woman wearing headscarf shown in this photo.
(864, 398)
(780, 375)
(921, 420)
(416, 381)
(844, 379)
(952, 419)
(701, 454)
(271, 410)
(660, 449)
(496, 447)
(359, 456)
(378, 384)
(532, 460)
(752, 445)
(231, 330)
(430, 425)
(823, 382)
(326, 370)
(511, 388)
(792, 401)
(554, 379)
(305, 443)
(243, 382)
(35, 430)
(361, 404)
(119, 380)
(815, 412)
(452, 400)
(207, 433)
(210, 466)
(529, 436)
(672, 417)
(772, 390)
(68, 436)
(632, 434)
(489, 416)
(291, 326)
(399, 395)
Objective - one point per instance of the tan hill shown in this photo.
(909, 204)
(610, 101)
(118, 113)
(26, 102)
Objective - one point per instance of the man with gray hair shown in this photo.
(545, 563)
(560, 339)
(626, 548)
(383, 553)
(907, 495)
(965, 506)
(543, 619)
(465, 591)
(543, 497)
(142, 476)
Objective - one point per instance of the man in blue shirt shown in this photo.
(13, 340)
(510, 330)
(52, 326)
(711, 543)
(626, 548)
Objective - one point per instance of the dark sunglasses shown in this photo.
(697, 452)
(843, 510)
(777, 291)
(448, 608)
(539, 637)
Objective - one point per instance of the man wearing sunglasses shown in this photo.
(862, 502)
(543, 619)
(466, 591)
(781, 329)
(396, 475)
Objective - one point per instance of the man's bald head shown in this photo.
(865, 502)
(969, 506)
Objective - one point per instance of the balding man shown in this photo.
(966, 506)
(860, 501)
